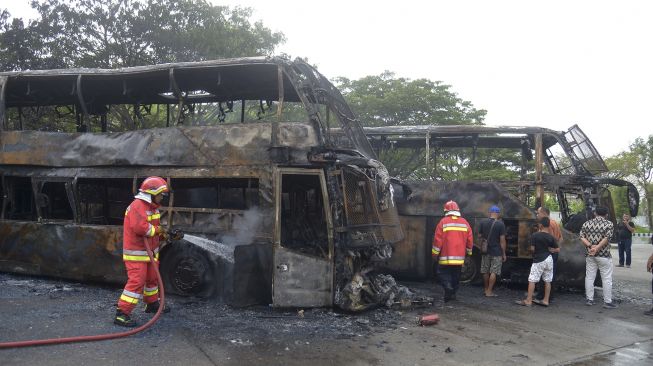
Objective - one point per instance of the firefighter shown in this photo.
(453, 240)
(142, 222)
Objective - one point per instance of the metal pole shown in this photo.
(539, 159)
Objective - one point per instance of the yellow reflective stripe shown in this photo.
(452, 261)
(435, 251)
(139, 258)
(135, 258)
(152, 292)
(128, 299)
(454, 228)
(151, 231)
(157, 191)
(153, 217)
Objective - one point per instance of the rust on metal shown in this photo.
(420, 202)
(274, 208)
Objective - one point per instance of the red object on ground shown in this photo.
(428, 319)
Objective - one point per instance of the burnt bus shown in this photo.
(273, 210)
(561, 165)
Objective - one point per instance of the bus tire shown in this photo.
(189, 271)
(471, 271)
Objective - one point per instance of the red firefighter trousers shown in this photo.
(141, 284)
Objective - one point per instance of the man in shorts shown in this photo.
(494, 231)
(542, 267)
(554, 230)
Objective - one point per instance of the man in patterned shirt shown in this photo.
(595, 235)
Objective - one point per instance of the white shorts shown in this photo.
(543, 269)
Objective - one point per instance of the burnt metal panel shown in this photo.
(226, 145)
(301, 280)
(252, 275)
(76, 252)
(411, 257)
(474, 199)
(228, 79)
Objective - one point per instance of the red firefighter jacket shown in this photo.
(141, 221)
(452, 240)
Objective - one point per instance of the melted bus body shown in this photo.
(563, 165)
(274, 211)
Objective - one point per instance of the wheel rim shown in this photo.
(188, 276)
(469, 270)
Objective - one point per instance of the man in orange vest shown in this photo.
(453, 240)
(142, 223)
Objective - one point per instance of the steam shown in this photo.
(244, 228)
(243, 231)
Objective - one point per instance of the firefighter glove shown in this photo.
(162, 232)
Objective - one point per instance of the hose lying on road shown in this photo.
(100, 337)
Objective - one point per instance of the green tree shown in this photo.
(636, 164)
(642, 152)
(118, 33)
(386, 100)
(620, 167)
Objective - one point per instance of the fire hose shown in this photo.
(101, 337)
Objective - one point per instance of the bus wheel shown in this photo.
(189, 271)
(471, 271)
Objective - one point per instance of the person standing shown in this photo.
(141, 224)
(453, 240)
(493, 230)
(626, 228)
(595, 235)
(542, 268)
(554, 230)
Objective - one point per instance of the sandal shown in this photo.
(540, 302)
(522, 303)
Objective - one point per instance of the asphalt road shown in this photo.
(472, 330)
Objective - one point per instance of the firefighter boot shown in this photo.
(124, 320)
(448, 295)
(154, 307)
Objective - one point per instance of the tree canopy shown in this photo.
(118, 33)
(387, 100)
(637, 164)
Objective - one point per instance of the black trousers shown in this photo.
(450, 279)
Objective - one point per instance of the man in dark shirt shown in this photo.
(494, 231)
(542, 266)
(625, 230)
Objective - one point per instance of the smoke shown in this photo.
(244, 228)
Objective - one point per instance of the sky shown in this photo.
(549, 63)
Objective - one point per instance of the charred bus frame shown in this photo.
(560, 163)
(279, 213)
